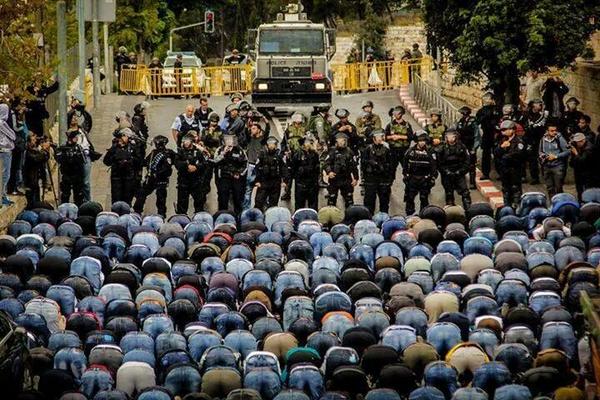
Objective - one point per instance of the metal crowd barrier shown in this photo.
(223, 80)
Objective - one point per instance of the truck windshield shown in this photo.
(291, 41)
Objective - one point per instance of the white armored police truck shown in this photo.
(291, 61)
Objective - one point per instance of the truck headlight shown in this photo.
(263, 86)
(320, 86)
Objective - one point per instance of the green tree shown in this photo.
(142, 25)
(502, 39)
(372, 32)
(19, 55)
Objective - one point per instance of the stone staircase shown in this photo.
(487, 188)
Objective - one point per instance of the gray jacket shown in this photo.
(557, 146)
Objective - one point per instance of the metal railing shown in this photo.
(222, 80)
(378, 75)
(428, 97)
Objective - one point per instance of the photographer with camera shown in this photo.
(553, 155)
(90, 154)
(193, 174)
(231, 165)
(342, 171)
(159, 166)
(583, 163)
(367, 122)
(123, 160)
(37, 154)
(71, 161)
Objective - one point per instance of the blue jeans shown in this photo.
(521, 334)
(399, 337)
(486, 338)
(414, 317)
(95, 380)
(443, 336)
(250, 178)
(511, 293)
(470, 393)
(491, 376)
(422, 393)
(338, 324)
(6, 159)
(157, 324)
(71, 360)
(559, 335)
(242, 342)
(64, 296)
(515, 356)
(200, 341)
(513, 392)
(62, 339)
(265, 381)
(137, 340)
(442, 376)
(481, 305)
(89, 268)
(140, 355)
(182, 380)
(168, 341)
(308, 379)
(541, 301)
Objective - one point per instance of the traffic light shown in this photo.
(209, 22)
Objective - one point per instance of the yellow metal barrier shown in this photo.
(187, 81)
(223, 80)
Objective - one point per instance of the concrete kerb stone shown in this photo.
(486, 187)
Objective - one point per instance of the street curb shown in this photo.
(488, 190)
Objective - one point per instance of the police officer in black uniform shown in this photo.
(510, 154)
(193, 174)
(270, 169)
(71, 159)
(398, 134)
(123, 162)
(138, 121)
(468, 130)
(231, 167)
(342, 170)
(304, 168)
(377, 172)
(454, 164)
(487, 117)
(535, 128)
(420, 172)
(159, 166)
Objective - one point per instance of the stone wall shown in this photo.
(584, 83)
(396, 40)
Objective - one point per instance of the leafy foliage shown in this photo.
(142, 25)
(502, 39)
(19, 55)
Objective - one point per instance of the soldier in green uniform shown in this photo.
(345, 126)
(435, 129)
(290, 144)
(319, 124)
(398, 134)
(368, 121)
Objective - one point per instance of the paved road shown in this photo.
(164, 110)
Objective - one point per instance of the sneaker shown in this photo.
(7, 202)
